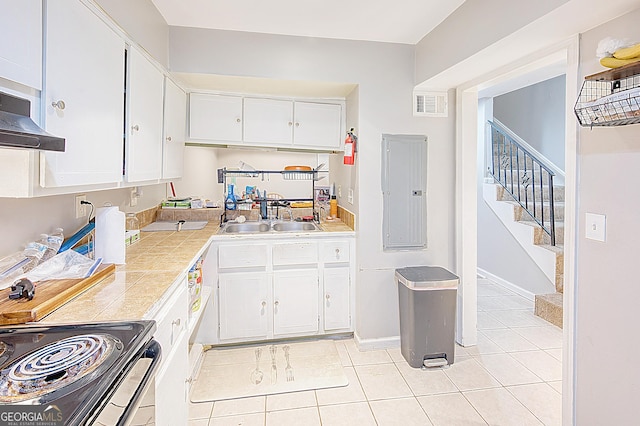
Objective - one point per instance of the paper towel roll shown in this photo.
(109, 241)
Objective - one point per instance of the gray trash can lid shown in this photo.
(427, 278)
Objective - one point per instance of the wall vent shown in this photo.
(430, 104)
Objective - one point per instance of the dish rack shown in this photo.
(297, 175)
(610, 98)
(309, 175)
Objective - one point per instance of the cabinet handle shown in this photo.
(135, 128)
(290, 124)
(189, 380)
(168, 138)
(176, 322)
(297, 124)
(58, 104)
(328, 296)
(277, 303)
(264, 303)
(238, 120)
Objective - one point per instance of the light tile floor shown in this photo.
(512, 377)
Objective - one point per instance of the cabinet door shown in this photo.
(21, 49)
(215, 117)
(172, 404)
(337, 313)
(268, 122)
(84, 69)
(143, 157)
(244, 305)
(175, 123)
(295, 302)
(317, 125)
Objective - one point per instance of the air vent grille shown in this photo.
(430, 104)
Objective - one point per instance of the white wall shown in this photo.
(607, 291)
(475, 25)
(384, 74)
(201, 179)
(536, 114)
(144, 24)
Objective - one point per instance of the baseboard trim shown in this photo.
(376, 344)
(509, 285)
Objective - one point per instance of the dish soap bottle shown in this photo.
(230, 202)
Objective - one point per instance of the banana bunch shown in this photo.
(622, 56)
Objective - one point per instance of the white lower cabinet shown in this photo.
(295, 302)
(284, 287)
(244, 305)
(172, 388)
(337, 310)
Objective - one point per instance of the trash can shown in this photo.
(427, 296)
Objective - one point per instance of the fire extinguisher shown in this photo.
(350, 148)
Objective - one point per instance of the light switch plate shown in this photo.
(595, 226)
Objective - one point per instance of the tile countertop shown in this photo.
(139, 288)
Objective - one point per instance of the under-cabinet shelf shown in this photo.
(610, 98)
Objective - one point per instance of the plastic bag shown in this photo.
(12, 267)
(66, 265)
(608, 45)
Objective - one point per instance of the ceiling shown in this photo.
(398, 21)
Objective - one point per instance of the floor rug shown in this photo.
(233, 372)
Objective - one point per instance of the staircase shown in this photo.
(531, 205)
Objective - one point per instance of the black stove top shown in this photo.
(72, 367)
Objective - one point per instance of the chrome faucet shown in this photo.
(288, 210)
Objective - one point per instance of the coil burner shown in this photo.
(6, 349)
(62, 365)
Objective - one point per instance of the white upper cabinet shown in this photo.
(255, 121)
(83, 99)
(268, 122)
(317, 125)
(143, 155)
(175, 122)
(215, 117)
(21, 47)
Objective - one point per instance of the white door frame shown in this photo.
(533, 66)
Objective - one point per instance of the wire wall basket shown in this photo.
(610, 98)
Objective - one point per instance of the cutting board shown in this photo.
(49, 296)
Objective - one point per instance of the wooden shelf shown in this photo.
(625, 71)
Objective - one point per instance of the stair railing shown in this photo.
(524, 177)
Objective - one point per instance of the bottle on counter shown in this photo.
(53, 242)
(230, 202)
(333, 207)
(132, 223)
(34, 251)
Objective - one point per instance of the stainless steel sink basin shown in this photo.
(246, 228)
(294, 226)
(261, 227)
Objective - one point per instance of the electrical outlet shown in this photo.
(81, 210)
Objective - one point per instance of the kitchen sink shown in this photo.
(294, 226)
(261, 227)
(246, 228)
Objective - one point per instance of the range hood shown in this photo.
(17, 130)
